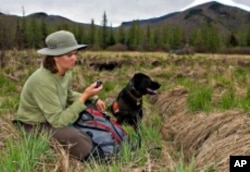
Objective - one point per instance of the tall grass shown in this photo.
(25, 154)
(200, 98)
(184, 167)
(228, 100)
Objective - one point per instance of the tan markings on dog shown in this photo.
(115, 107)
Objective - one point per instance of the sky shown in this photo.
(117, 11)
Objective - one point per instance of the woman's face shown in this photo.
(66, 62)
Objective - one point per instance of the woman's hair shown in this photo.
(49, 63)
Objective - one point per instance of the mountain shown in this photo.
(230, 22)
(54, 19)
(226, 18)
(226, 2)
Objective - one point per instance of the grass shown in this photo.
(25, 154)
(183, 167)
(200, 98)
(211, 85)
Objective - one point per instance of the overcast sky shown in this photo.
(117, 11)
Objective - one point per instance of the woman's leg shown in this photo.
(78, 143)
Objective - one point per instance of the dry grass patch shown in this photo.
(209, 138)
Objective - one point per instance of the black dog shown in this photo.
(127, 107)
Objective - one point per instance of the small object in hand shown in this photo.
(98, 84)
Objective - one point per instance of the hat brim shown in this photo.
(56, 51)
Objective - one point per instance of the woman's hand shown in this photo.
(100, 105)
(90, 91)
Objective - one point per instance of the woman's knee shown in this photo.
(79, 144)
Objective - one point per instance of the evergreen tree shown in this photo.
(148, 43)
(6, 33)
(121, 36)
(248, 37)
(206, 38)
(232, 41)
(134, 35)
(165, 37)
(92, 33)
(18, 37)
(80, 34)
(44, 31)
(212, 39)
(104, 32)
(111, 40)
(34, 34)
(158, 38)
(176, 40)
(23, 31)
(197, 40)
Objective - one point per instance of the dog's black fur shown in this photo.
(128, 105)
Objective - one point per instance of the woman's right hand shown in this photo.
(90, 91)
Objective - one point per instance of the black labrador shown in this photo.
(127, 108)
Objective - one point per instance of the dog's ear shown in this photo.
(140, 79)
(145, 80)
(144, 84)
(139, 76)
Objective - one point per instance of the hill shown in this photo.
(209, 27)
(226, 18)
(54, 19)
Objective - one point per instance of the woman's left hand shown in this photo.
(100, 105)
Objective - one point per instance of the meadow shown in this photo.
(199, 117)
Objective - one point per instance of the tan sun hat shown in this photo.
(59, 43)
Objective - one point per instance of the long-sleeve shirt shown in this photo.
(48, 97)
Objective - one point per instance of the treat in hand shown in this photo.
(98, 84)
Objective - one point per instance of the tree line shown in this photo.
(30, 33)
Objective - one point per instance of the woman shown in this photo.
(47, 101)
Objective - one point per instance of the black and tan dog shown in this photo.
(127, 108)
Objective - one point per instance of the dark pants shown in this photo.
(78, 143)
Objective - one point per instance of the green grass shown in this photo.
(25, 154)
(183, 167)
(7, 86)
(228, 100)
(199, 97)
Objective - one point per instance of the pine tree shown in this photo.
(248, 37)
(111, 39)
(165, 37)
(121, 36)
(92, 33)
(44, 31)
(34, 34)
(104, 32)
(134, 36)
(176, 38)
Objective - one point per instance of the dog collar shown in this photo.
(138, 100)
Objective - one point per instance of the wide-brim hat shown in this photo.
(59, 43)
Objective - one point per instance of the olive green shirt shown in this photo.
(48, 97)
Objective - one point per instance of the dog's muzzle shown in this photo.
(151, 92)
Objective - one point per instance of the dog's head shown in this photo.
(143, 84)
